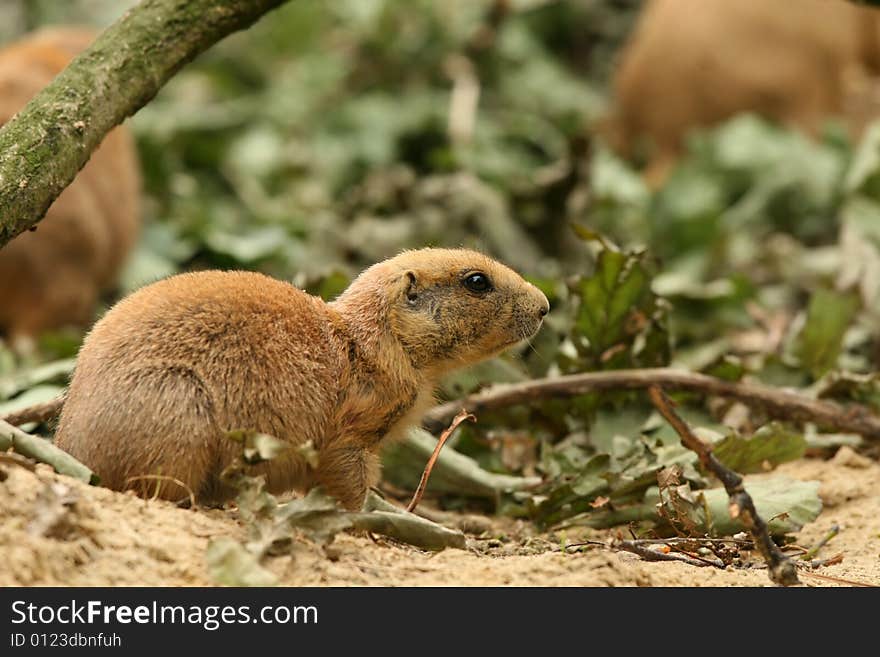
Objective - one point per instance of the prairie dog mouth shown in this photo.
(528, 330)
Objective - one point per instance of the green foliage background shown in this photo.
(318, 142)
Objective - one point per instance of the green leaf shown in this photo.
(230, 563)
(618, 287)
(403, 463)
(36, 395)
(589, 235)
(785, 504)
(615, 183)
(250, 247)
(159, 252)
(849, 386)
(619, 321)
(333, 285)
(620, 422)
(496, 370)
(144, 267)
(318, 515)
(591, 481)
(859, 252)
(864, 170)
(20, 380)
(384, 518)
(828, 317)
(768, 446)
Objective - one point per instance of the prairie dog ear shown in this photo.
(411, 291)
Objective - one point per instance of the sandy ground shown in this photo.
(57, 531)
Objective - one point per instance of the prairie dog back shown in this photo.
(694, 63)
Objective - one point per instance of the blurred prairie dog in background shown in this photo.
(52, 277)
(694, 63)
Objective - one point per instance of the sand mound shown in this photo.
(58, 531)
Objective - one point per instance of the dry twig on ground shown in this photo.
(782, 571)
(458, 419)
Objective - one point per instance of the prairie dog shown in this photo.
(694, 63)
(172, 368)
(52, 277)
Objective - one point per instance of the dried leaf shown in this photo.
(53, 512)
(670, 476)
(599, 502)
(257, 447)
(317, 514)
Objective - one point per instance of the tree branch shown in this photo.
(49, 141)
(852, 418)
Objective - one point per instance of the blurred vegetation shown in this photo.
(332, 135)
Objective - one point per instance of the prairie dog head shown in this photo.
(451, 307)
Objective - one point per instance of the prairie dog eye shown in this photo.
(477, 281)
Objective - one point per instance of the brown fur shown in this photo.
(52, 277)
(173, 367)
(694, 63)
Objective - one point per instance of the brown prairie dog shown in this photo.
(693, 63)
(52, 277)
(172, 368)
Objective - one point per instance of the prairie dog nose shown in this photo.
(540, 301)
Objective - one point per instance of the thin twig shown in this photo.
(160, 478)
(813, 551)
(676, 540)
(458, 419)
(779, 404)
(838, 580)
(782, 571)
(717, 563)
(648, 554)
(639, 547)
(830, 561)
(584, 544)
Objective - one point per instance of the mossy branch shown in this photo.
(49, 141)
